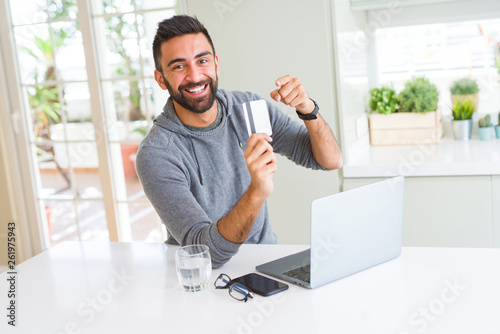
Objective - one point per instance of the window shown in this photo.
(82, 156)
(443, 53)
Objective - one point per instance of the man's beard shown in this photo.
(196, 105)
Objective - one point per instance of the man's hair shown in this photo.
(176, 26)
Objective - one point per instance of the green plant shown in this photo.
(384, 100)
(464, 86)
(485, 121)
(499, 118)
(143, 130)
(118, 31)
(419, 95)
(43, 98)
(462, 110)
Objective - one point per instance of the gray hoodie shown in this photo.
(195, 178)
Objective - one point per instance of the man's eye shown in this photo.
(178, 67)
(203, 61)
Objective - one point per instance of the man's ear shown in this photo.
(159, 80)
(217, 64)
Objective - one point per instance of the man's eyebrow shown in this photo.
(179, 60)
(176, 60)
(202, 54)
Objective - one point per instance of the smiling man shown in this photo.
(205, 177)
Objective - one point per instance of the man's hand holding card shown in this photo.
(259, 155)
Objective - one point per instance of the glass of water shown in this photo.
(194, 267)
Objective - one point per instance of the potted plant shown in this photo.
(383, 100)
(462, 119)
(485, 129)
(129, 153)
(464, 89)
(497, 128)
(415, 122)
(419, 96)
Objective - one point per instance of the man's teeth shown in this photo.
(196, 90)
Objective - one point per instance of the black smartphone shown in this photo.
(261, 285)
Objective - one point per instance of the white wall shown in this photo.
(258, 41)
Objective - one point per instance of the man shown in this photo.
(205, 177)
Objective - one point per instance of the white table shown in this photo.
(95, 287)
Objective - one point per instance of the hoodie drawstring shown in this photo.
(234, 130)
(196, 159)
(224, 105)
(193, 147)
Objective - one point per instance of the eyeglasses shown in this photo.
(236, 290)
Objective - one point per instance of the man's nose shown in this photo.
(194, 74)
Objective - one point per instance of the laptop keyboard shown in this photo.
(301, 273)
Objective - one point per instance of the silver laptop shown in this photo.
(350, 232)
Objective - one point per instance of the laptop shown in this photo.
(350, 231)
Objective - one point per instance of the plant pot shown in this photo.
(405, 128)
(497, 131)
(473, 97)
(485, 133)
(462, 129)
(48, 213)
(128, 159)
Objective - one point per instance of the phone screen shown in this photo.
(261, 285)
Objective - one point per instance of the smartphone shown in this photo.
(261, 285)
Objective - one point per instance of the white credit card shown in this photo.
(257, 117)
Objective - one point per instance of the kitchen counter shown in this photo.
(448, 158)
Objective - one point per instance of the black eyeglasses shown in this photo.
(236, 290)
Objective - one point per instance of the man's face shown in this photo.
(190, 72)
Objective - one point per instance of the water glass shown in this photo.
(194, 267)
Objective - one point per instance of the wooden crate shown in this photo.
(405, 128)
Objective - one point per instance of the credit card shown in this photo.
(257, 117)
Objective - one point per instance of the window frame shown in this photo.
(32, 223)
